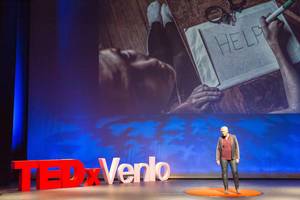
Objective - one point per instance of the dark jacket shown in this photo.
(235, 151)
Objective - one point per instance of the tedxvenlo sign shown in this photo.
(51, 174)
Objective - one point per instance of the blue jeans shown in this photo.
(234, 170)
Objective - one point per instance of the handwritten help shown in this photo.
(237, 41)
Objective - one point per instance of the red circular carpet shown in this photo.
(219, 192)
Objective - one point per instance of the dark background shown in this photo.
(48, 74)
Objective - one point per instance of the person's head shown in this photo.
(224, 131)
(135, 82)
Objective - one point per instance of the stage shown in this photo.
(164, 96)
(171, 189)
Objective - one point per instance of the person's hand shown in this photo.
(271, 31)
(237, 161)
(199, 100)
(218, 162)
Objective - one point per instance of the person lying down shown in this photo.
(136, 83)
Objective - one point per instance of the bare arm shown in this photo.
(290, 76)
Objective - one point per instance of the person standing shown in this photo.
(227, 152)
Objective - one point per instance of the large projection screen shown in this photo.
(70, 115)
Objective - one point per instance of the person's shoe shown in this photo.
(166, 14)
(225, 191)
(237, 191)
(153, 12)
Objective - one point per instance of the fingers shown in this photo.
(277, 23)
(263, 21)
(203, 95)
(271, 30)
(145, 63)
(201, 98)
(199, 88)
(208, 99)
(206, 93)
(281, 24)
(204, 87)
(205, 106)
(204, 100)
(264, 25)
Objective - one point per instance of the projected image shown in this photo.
(168, 59)
(134, 83)
(161, 80)
(116, 78)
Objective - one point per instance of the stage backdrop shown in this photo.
(68, 116)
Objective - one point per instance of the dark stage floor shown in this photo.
(172, 189)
